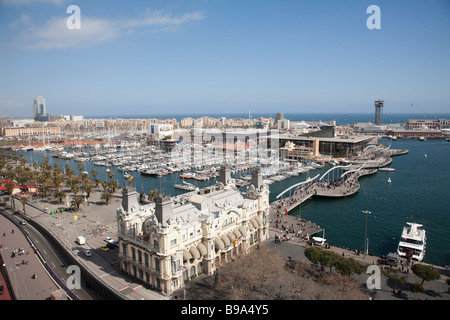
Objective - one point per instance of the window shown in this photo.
(173, 242)
(133, 253)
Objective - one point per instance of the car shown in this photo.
(88, 253)
(23, 222)
(111, 245)
(1, 289)
(108, 239)
(104, 248)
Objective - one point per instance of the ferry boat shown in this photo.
(186, 186)
(412, 242)
(387, 169)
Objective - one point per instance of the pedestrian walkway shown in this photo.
(21, 264)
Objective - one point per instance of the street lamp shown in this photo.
(367, 212)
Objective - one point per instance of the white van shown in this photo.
(81, 240)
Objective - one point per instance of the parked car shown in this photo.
(108, 239)
(104, 248)
(88, 253)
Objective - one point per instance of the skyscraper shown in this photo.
(378, 111)
(39, 110)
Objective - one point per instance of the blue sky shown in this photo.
(224, 56)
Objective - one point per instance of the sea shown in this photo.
(419, 191)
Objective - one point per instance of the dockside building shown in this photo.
(173, 240)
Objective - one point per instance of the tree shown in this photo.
(417, 288)
(94, 173)
(130, 180)
(97, 181)
(425, 272)
(394, 275)
(106, 196)
(80, 167)
(60, 195)
(313, 254)
(88, 189)
(76, 202)
(114, 185)
(111, 175)
(152, 194)
(24, 201)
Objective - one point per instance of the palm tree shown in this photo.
(80, 167)
(94, 173)
(44, 189)
(88, 189)
(152, 194)
(57, 181)
(106, 196)
(114, 185)
(69, 171)
(130, 180)
(24, 201)
(111, 175)
(76, 202)
(85, 177)
(10, 188)
(97, 181)
(60, 195)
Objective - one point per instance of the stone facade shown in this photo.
(175, 239)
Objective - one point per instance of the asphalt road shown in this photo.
(21, 274)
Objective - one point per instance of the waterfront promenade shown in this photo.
(95, 222)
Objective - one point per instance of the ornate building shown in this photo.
(175, 239)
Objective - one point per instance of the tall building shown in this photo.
(39, 110)
(174, 240)
(378, 112)
(279, 116)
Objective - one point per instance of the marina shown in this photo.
(340, 215)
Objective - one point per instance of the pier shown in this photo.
(339, 181)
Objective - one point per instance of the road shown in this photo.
(22, 274)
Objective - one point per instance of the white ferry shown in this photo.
(412, 242)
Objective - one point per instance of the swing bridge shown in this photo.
(338, 181)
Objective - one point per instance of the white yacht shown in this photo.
(412, 242)
(186, 186)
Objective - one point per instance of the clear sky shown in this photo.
(213, 56)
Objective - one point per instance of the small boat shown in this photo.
(387, 169)
(412, 242)
(389, 180)
(186, 186)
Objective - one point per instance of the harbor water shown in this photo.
(419, 192)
